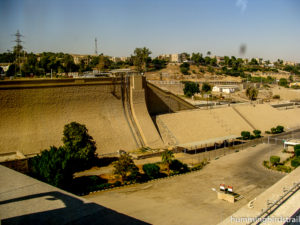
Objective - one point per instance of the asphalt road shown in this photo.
(189, 199)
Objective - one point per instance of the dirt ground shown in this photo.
(189, 199)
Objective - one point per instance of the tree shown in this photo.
(206, 87)
(167, 157)
(125, 166)
(184, 68)
(283, 82)
(151, 170)
(297, 150)
(208, 53)
(190, 88)
(251, 93)
(57, 165)
(140, 58)
(257, 133)
(53, 167)
(245, 135)
(78, 142)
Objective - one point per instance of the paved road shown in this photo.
(188, 199)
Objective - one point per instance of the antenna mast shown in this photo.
(96, 47)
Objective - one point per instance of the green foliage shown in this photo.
(297, 150)
(178, 167)
(53, 166)
(295, 162)
(79, 143)
(151, 170)
(206, 87)
(140, 58)
(277, 130)
(276, 97)
(283, 82)
(274, 159)
(57, 165)
(158, 64)
(245, 135)
(125, 166)
(184, 68)
(283, 168)
(257, 133)
(167, 157)
(251, 93)
(266, 164)
(190, 88)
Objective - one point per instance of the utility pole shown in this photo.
(96, 47)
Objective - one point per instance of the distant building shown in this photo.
(225, 88)
(78, 58)
(289, 63)
(295, 84)
(289, 144)
(176, 58)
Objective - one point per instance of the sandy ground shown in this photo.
(189, 199)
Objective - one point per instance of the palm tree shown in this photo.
(252, 93)
(167, 157)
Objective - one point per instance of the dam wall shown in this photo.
(160, 101)
(141, 116)
(33, 114)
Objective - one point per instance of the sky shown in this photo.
(269, 29)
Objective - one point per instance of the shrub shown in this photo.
(178, 166)
(266, 164)
(283, 168)
(295, 162)
(283, 82)
(267, 132)
(151, 170)
(279, 129)
(257, 133)
(274, 160)
(276, 97)
(245, 135)
(190, 88)
(297, 150)
(125, 166)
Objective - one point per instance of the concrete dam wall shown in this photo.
(33, 114)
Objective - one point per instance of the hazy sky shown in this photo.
(269, 28)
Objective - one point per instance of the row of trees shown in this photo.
(47, 62)
(191, 88)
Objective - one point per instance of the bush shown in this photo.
(283, 82)
(184, 68)
(279, 129)
(245, 135)
(190, 88)
(276, 97)
(283, 168)
(178, 166)
(297, 150)
(274, 160)
(266, 164)
(257, 133)
(267, 132)
(151, 170)
(295, 162)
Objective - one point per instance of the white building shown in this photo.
(225, 88)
